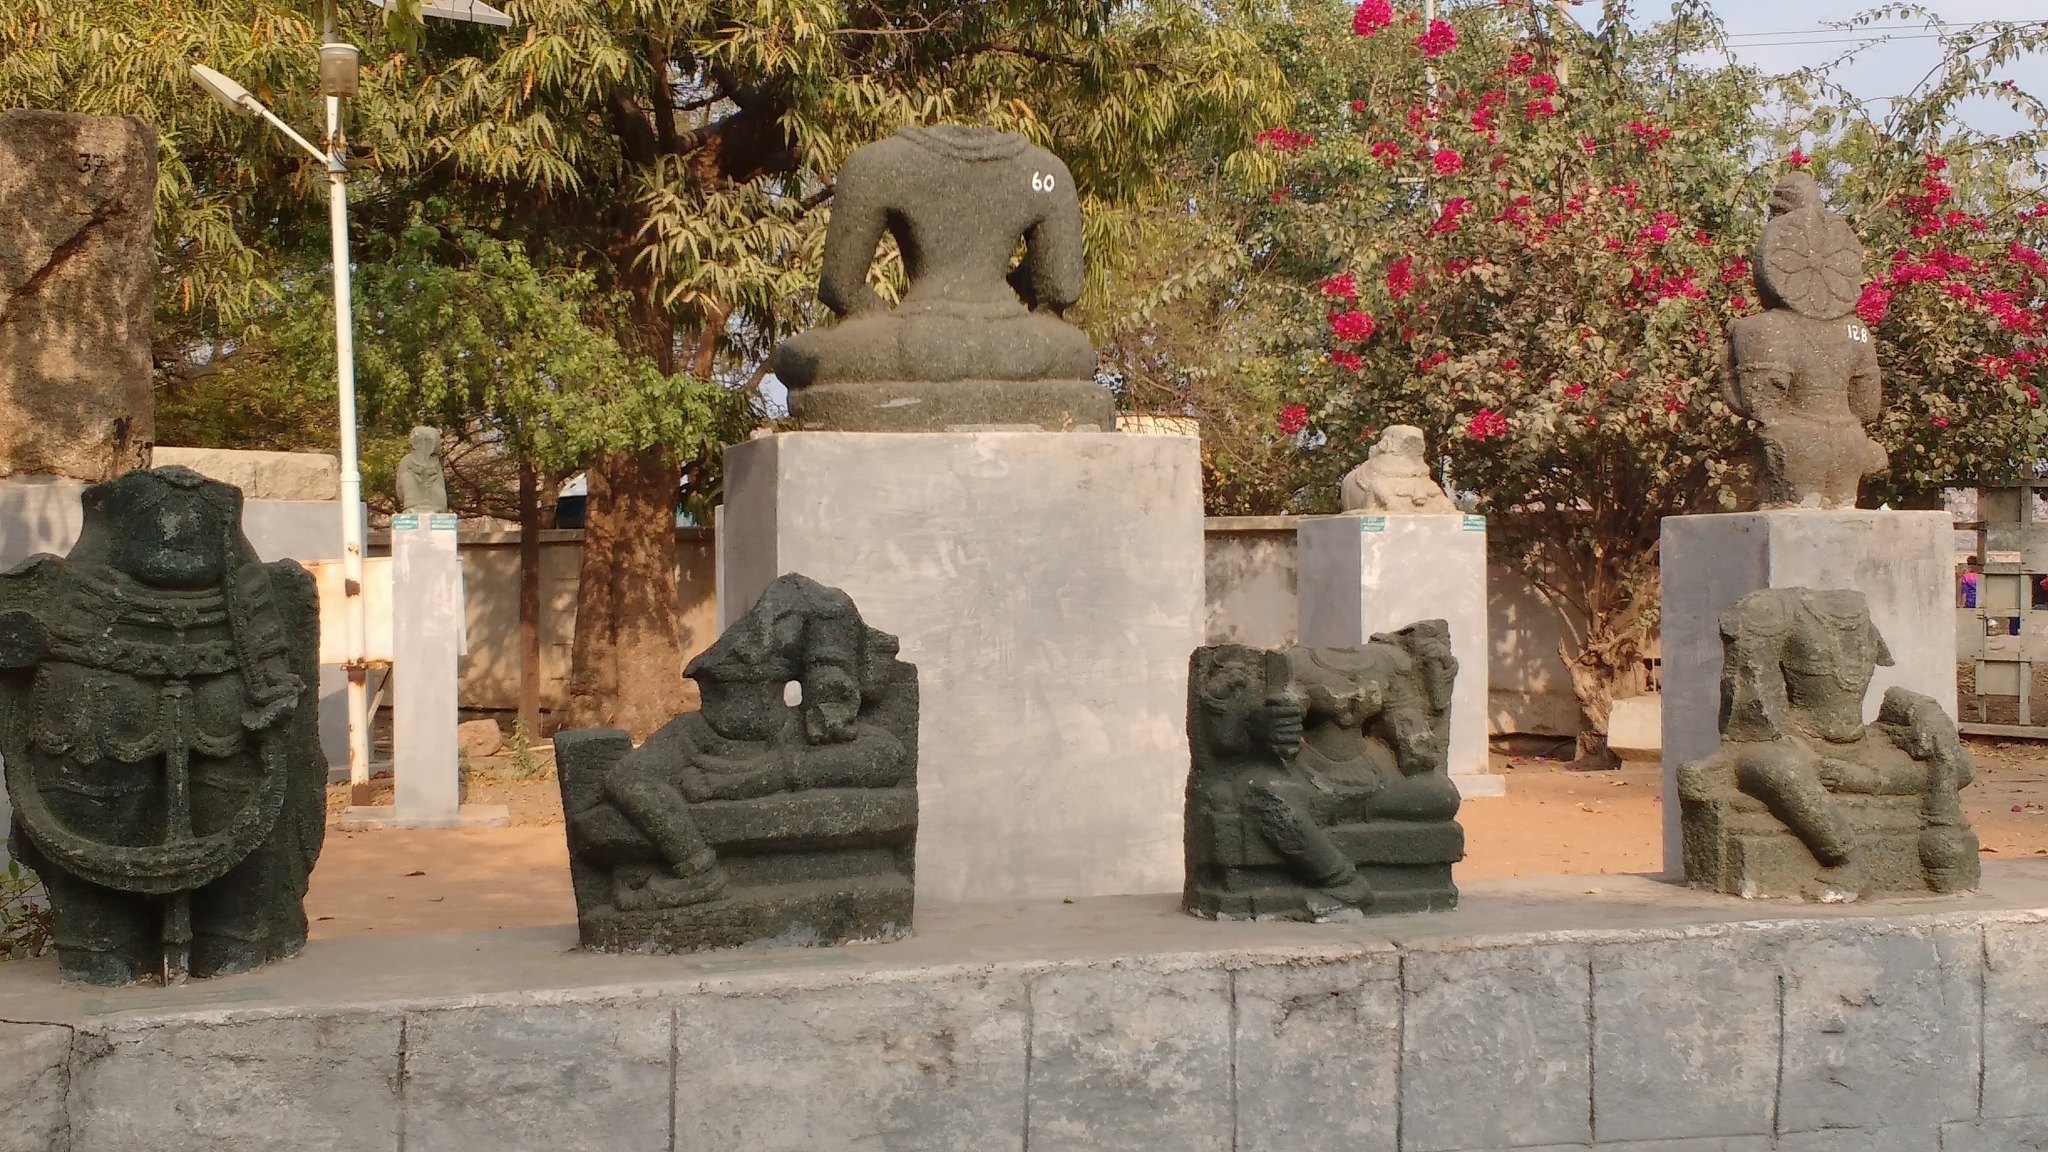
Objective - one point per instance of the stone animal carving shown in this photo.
(1395, 478)
(159, 724)
(1805, 368)
(974, 341)
(422, 482)
(1320, 785)
(785, 811)
(1802, 798)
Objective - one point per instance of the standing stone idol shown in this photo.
(160, 728)
(1395, 478)
(784, 812)
(422, 483)
(1320, 786)
(1805, 369)
(1802, 798)
(973, 341)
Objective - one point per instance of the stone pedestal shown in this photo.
(1049, 589)
(1364, 574)
(1902, 562)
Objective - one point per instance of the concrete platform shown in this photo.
(1560, 1013)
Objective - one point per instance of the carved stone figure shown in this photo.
(1395, 478)
(422, 483)
(973, 341)
(1802, 798)
(1320, 786)
(784, 812)
(158, 719)
(1805, 369)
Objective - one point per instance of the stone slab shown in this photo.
(35, 1075)
(2025, 1134)
(2015, 1020)
(1903, 563)
(1049, 589)
(294, 476)
(426, 641)
(1317, 1050)
(1635, 727)
(1358, 575)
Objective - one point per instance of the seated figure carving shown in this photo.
(973, 341)
(1395, 478)
(785, 810)
(1804, 799)
(1320, 784)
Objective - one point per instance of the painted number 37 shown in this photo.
(1041, 181)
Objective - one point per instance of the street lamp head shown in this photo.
(225, 90)
(468, 11)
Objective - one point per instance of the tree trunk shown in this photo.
(626, 668)
(1607, 668)
(529, 601)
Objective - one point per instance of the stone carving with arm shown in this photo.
(422, 481)
(1395, 478)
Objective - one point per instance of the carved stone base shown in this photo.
(1407, 865)
(954, 405)
(1737, 847)
(809, 913)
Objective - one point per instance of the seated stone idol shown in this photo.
(1802, 798)
(1320, 786)
(160, 729)
(1805, 369)
(1395, 478)
(974, 341)
(783, 812)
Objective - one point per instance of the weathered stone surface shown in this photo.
(1881, 1029)
(909, 1066)
(1917, 1138)
(783, 812)
(1805, 369)
(324, 1083)
(77, 291)
(1318, 1056)
(1496, 1047)
(1801, 798)
(166, 668)
(1685, 1037)
(261, 475)
(1129, 1061)
(421, 481)
(475, 739)
(973, 341)
(1395, 478)
(569, 1078)
(2028, 1134)
(1318, 787)
(35, 1077)
(2016, 1020)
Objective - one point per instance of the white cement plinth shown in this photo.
(426, 638)
(1358, 575)
(1902, 562)
(1048, 586)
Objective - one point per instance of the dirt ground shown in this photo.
(1553, 821)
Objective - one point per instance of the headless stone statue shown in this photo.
(1805, 369)
(422, 482)
(1395, 478)
(160, 729)
(1802, 798)
(1320, 786)
(974, 341)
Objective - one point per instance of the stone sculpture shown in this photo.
(422, 482)
(973, 341)
(77, 292)
(784, 812)
(160, 730)
(1394, 477)
(1320, 785)
(1805, 368)
(1802, 798)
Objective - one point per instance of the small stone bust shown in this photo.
(422, 482)
(1395, 478)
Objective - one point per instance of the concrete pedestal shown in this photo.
(1364, 574)
(1902, 562)
(1048, 586)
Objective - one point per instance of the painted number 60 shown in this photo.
(1041, 181)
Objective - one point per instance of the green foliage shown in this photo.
(27, 926)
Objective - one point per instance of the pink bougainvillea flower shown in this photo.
(1541, 107)
(1386, 152)
(1672, 403)
(1520, 62)
(1401, 277)
(1342, 284)
(1871, 305)
(1358, 105)
(1284, 140)
(1351, 326)
(1486, 424)
(1939, 421)
(1446, 161)
(1798, 159)
(1572, 390)
(1370, 16)
(1509, 364)
(1346, 359)
(1293, 418)
(1544, 83)
(1447, 220)
(1437, 39)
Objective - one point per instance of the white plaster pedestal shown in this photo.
(1358, 575)
(1902, 562)
(1048, 586)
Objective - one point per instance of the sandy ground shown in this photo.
(1553, 821)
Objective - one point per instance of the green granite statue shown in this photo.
(975, 341)
(1802, 798)
(159, 723)
(1320, 787)
(784, 812)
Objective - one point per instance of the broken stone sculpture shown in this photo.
(1320, 786)
(422, 483)
(77, 292)
(974, 342)
(1804, 799)
(1805, 368)
(1394, 477)
(160, 730)
(782, 813)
